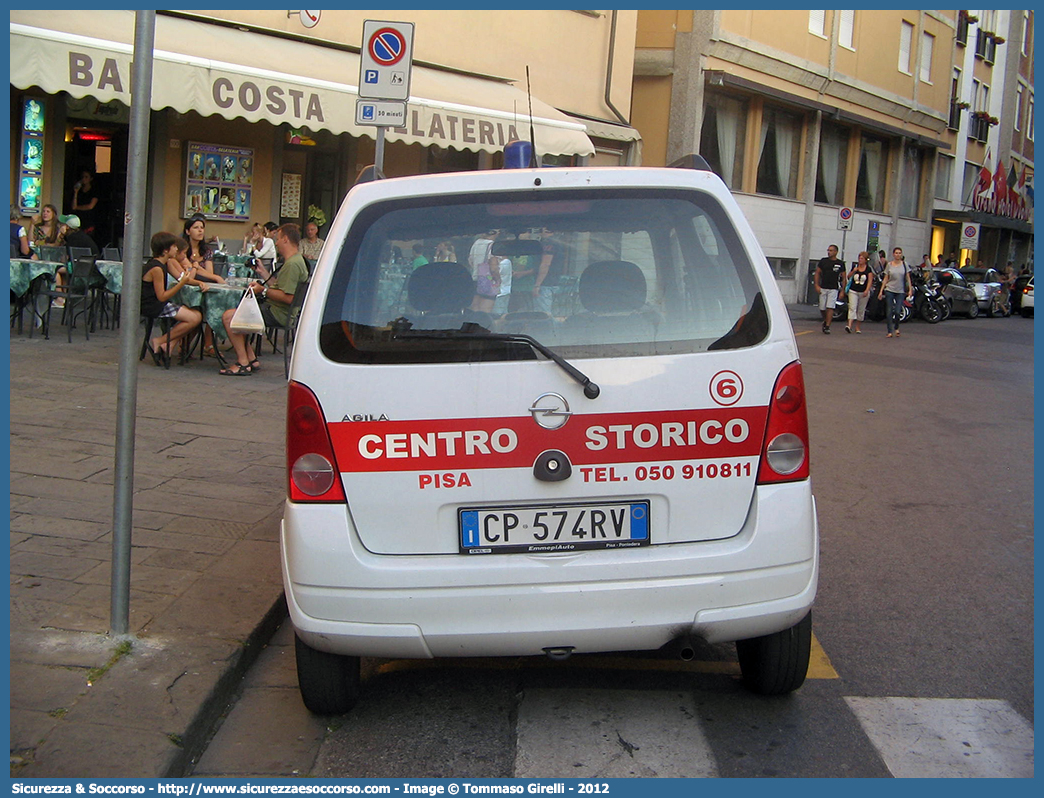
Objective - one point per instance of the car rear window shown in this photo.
(623, 272)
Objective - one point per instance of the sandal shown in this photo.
(255, 365)
(209, 351)
(239, 371)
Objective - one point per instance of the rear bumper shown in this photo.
(346, 600)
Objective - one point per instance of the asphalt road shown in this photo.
(922, 463)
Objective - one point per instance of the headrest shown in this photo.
(440, 287)
(612, 286)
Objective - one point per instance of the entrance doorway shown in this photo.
(102, 151)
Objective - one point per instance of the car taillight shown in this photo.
(312, 474)
(784, 454)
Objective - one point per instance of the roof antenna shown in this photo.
(532, 137)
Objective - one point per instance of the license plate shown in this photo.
(565, 527)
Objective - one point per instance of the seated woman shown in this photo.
(155, 297)
(47, 230)
(199, 256)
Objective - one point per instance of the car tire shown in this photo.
(946, 308)
(1027, 313)
(973, 310)
(329, 683)
(776, 664)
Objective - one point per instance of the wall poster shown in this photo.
(290, 198)
(218, 181)
(30, 164)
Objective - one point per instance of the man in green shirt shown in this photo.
(276, 292)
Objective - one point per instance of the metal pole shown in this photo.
(133, 247)
(378, 158)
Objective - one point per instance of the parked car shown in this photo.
(987, 286)
(1017, 291)
(958, 291)
(623, 467)
(1027, 299)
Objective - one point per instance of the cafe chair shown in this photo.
(272, 330)
(111, 253)
(80, 252)
(290, 330)
(166, 325)
(79, 292)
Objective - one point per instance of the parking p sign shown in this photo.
(970, 235)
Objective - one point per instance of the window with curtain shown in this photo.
(846, 28)
(912, 182)
(905, 47)
(971, 178)
(817, 22)
(722, 136)
(833, 155)
(927, 45)
(778, 153)
(873, 165)
(1018, 107)
(943, 176)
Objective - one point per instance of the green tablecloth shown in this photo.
(24, 271)
(112, 271)
(212, 303)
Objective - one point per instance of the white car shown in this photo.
(1027, 299)
(616, 460)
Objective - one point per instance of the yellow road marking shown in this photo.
(819, 666)
(803, 332)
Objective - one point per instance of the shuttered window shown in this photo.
(905, 46)
(846, 28)
(817, 22)
(927, 45)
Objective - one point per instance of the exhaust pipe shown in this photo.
(686, 654)
(559, 653)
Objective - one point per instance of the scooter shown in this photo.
(927, 302)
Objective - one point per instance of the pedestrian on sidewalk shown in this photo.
(860, 279)
(895, 286)
(829, 281)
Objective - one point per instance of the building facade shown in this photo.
(985, 179)
(804, 114)
(254, 115)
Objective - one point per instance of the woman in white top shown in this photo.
(895, 286)
(265, 250)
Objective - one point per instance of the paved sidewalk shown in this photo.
(206, 590)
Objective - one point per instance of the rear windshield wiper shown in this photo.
(471, 330)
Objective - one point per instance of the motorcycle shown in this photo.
(928, 302)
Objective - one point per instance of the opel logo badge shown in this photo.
(550, 411)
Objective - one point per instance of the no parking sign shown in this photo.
(386, 60)
(844, 219)
(970, 235)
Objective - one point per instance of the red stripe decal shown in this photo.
(366, 446)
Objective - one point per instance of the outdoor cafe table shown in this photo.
(212, 303)
(24, 271)
(112, 271)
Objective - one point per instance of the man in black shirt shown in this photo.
(830, 284)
